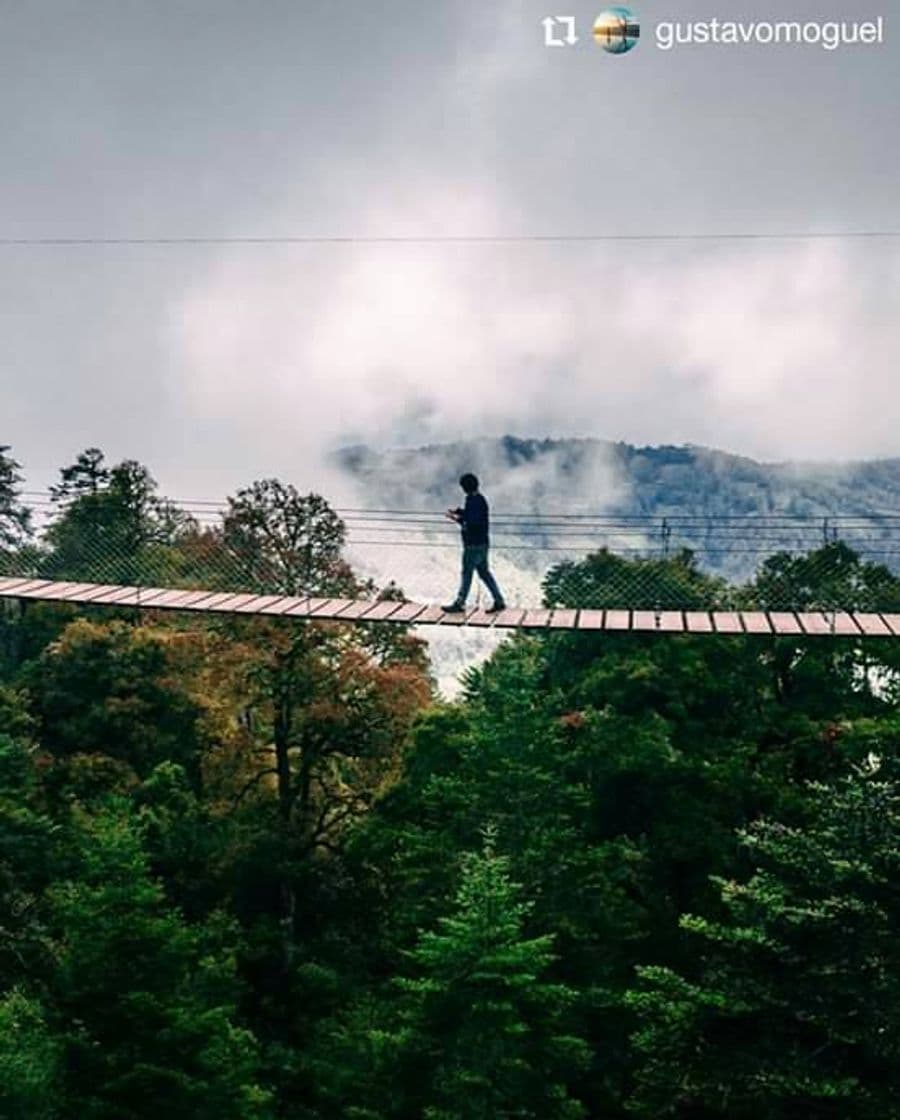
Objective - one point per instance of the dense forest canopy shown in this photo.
(259, 869)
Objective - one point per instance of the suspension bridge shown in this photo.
(776, 574)
(786, 623)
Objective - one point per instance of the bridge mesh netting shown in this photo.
(775, 562)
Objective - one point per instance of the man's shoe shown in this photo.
(496, 608)
(454, 608)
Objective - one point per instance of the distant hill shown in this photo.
(527, 477)
(624, 479)
(541, 476)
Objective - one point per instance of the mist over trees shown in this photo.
(258, 868)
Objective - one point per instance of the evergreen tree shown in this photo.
(112, 525)
(29, 1060)
(794, 1008)
(15, 517)
(146, 1003)
(484, 1029)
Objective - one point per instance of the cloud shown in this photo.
(220, 366)
(776, 349)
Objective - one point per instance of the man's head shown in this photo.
(469, 483)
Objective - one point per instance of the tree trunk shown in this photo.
(282, 738)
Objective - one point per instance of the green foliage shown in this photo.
(29, 1060)
(108, 689)
(232, 884)
(112, 526)
(285, 542)
(15, 518)
(29, 861)
(479, 1030)
(481, 1020)
(147, 1003)
(831, 578)
(795, 1008)
(604, 580)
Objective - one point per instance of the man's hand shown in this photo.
(452, 515)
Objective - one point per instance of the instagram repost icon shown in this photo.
(617, 30)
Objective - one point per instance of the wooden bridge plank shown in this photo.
(158, 596)
(785, 623)
(534, 619)
(283, 605)
(872, 625)
(845, 624)
(231, 600)
(814, 623)
(698, 622)
(328, 608)
(8, 583)
(480, 617)
(431, 615)
(563, 619)
(893, 622)
(756, 622)
(618, 620)
(727, 622)
(199, 600)
(645, 621)
(591, 620)
(456, 618)
(510, 617)
(67, 591)
(356, 608)
(110, 595)
(257, 603)
(216, 601)
(408, 612)
(31, 586)
(59, 590)
(236, 600)
(672, 622)
(381, 610)
(304, 607)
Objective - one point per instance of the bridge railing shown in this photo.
(725, 563)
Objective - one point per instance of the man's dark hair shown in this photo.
(469, 483)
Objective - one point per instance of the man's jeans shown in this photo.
(475, 559)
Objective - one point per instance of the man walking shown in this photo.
(473, 519)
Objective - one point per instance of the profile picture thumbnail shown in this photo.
(617, 30)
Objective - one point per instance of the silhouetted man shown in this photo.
(473, 519)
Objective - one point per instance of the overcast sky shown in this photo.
(214, 118)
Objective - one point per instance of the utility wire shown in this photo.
(448, 239)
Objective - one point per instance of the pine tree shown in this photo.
(483, 1025)
(15, 518)
(795, 1007)
(146, 1003)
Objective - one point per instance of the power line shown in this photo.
(418, 517)
(446, 239)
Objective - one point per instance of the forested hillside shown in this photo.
(256, 869)
(626, 479)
